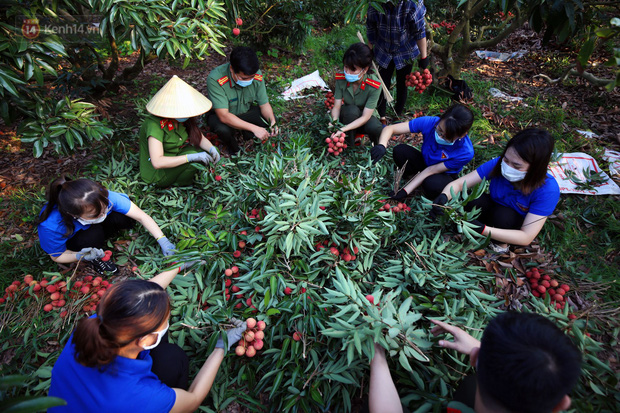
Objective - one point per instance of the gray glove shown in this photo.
(199, 157)
(215, 155)
(89, 254)
(234, 334)
(167, 247)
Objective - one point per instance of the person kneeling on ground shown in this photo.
(81, 215)
(522, 193)
(356, 95)
(170, 138)
(237, 90)
(446, 149)
(519, 354)
(114, 361)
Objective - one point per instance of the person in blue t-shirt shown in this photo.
(522, 193)
(446, 149)
(81, 214)
(108, 365)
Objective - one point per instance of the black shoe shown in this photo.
(104, 267)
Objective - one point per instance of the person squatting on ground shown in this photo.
(356, 95)
(80, 215)
(170, 138)
(397, 36)
(446, 149)
(519, 354)
(521, 192)
(116, 360)
(237, 90)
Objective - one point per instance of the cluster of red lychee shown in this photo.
(419, 80)
(400, 207)
(449, 26)
(418, 114)
(329, 100)
(236, 31)
(252, 340)
(505, 16)
(231, 291)
(255, 214)
(347, 254)
(57, 293)
(542, 284)
(289, 290)
(335, 144)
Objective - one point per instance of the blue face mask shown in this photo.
(352, 78)
(244, 83)
(182, 119)
(442, 141)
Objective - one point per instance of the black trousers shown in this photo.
(170, 364)
(434, 184)
(496, 215)
(226, 134)
(401, 87)
(96, 235)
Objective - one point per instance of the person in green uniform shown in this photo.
(170, 138)
(237, 90)
(356, 95)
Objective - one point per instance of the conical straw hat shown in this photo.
(177, 99)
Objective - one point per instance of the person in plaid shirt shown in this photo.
(397, 36)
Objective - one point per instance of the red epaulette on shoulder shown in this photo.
(339, 76)
(258, 77)
(373, 83)
(222, 80)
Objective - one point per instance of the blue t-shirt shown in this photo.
(126, 385)
(52, 230)
(541, 201)
(455, 157)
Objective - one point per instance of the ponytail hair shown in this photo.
(193, 132)
(73, 198)
(127, 311)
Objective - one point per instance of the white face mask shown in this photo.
(512, 174)
(160, 334)
(98, 220)
(92, 221)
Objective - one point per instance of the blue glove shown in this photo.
(199, 157)
(215, 155)
(167, 247)
(89, 254)
(234, 334)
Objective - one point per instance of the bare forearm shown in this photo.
(267, 112)
(201, 385)
(382, 396)
(66, 257)
(422, 47)
(165, 278)
(165, 162)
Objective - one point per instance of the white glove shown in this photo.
(215, 155)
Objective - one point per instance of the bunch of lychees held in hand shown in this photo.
(252, 340)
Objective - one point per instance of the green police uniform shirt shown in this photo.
(366, 95)
(173, 138)
(224, 93)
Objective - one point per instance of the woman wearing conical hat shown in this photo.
(170, 138)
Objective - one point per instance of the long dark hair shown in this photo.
(193, 131)
(535, 147)
(127, 311)
(457, 121)
(73, 198)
